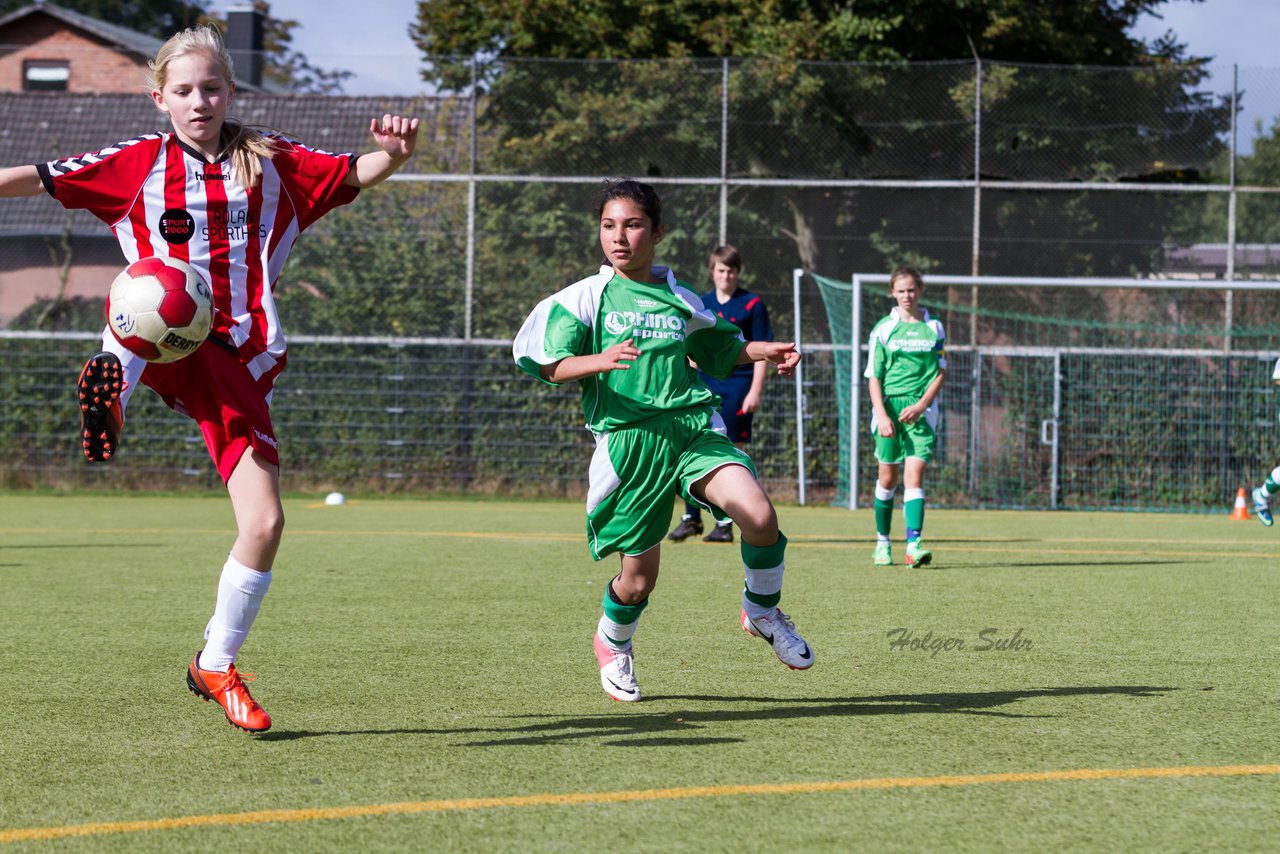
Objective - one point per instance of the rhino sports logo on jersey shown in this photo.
(912, 345)
(645, 325)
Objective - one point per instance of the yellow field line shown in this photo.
(592, 798)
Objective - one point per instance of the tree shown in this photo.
(1086, 32)
(1256, 221)
(159, 18)
(896, 119)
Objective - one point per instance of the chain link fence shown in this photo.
(959, 167)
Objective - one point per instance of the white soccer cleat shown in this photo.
(1262, 506)
(617, 675)
(778, 630)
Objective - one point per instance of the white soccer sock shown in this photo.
(131, 364)
(240, 592)
(616, 635)
(762, 582)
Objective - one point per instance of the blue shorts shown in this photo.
(733, 392)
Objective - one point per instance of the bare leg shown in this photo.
(254, 488)
(736, 491)
(638, 577)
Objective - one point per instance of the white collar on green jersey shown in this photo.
(657, 271)
(896, 314)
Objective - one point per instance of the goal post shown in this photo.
(1095, 393)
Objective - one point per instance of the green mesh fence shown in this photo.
(1148, 396)
(356, 416)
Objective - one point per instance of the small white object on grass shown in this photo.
(333, 499)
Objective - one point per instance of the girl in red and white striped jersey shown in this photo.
(230, 201)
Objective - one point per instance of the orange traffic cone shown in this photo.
(1241, 510)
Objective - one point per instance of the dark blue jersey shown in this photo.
(746, 311)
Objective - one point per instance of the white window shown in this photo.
(44, 75)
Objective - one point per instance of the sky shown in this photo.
(1241, 36)
(368, 37)
(1240, 32)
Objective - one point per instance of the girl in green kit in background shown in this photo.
(906, 364)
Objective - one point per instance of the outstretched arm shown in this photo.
(396, 137)
(781, 353)
(20, 181)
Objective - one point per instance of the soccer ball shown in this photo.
(160, 309)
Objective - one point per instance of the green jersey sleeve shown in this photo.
(714, 345)
(876, 353)
(560, 326)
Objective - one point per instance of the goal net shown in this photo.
(1077, 393)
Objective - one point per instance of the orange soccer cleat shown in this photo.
(228, 690)
(101, 420)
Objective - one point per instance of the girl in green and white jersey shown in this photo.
(626, 334)
(905, 367)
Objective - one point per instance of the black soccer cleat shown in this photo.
(101, 421)
(719, 534)
(688, 527)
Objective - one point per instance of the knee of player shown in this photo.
(758, 521)
(267, 526)
(630, 589)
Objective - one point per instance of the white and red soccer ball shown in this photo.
(160, 309)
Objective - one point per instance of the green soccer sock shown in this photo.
(913, 511)
(884, 518)
(883, 511)
(764, 567)
(618, 623)
(1272, 485)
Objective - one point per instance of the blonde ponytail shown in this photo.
(247, 148)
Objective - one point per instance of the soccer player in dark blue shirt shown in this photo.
(740, 393)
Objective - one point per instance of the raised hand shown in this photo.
(783, 354)
(395, 135)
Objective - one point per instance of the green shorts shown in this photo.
(908, 440)
(636, 470)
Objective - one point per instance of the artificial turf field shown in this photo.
(429, 670)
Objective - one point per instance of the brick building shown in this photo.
(46, 48)
(46, 251)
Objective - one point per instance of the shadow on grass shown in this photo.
(1023, 564)
(668, 721)
(869, 541)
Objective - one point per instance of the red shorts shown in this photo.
(217, 391)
